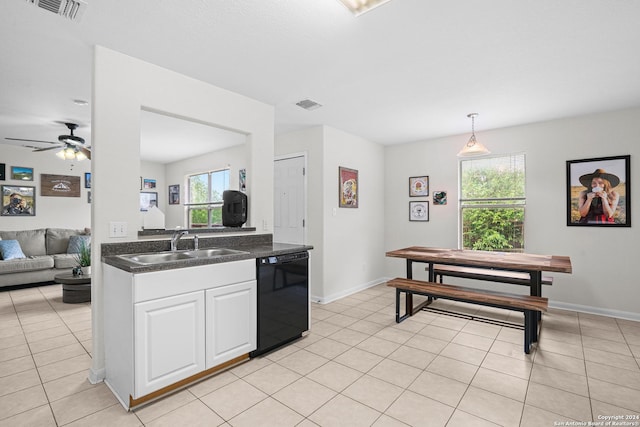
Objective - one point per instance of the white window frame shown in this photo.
(516, 202)
(209, 205)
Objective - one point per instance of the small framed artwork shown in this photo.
(174, 194)
(419, 211)
(149, 183)
(89, 196)
(439, 197)
(347, 187)
(22, 174)
(87, 180)
(59, 185)
(242, 180)
(148, 200)
(599, 192)
(418, 186)
(2, 172)
(18, 200)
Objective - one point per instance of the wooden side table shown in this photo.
(75, 289)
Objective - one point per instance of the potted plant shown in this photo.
(84, 258)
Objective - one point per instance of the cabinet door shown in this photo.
(231, 322)
(169, 341)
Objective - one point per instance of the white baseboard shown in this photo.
(347, 292)
(596, 310)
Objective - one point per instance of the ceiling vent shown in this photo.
(308, 104)
(71, 9)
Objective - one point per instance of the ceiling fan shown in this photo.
(72, 147)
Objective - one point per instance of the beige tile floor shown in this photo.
(356, 368)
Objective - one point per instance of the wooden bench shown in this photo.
(530, 306)
(502, 276)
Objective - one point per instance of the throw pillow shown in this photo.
(10, 249)
(76, 242)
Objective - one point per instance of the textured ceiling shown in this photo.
(406, 71)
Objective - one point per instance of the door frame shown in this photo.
(302, 154)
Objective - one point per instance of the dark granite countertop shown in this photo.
(255, 247)
(220, 229)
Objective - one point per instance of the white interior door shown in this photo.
(289, 203)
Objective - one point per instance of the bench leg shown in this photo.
(408, 303)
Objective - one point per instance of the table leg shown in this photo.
(409, 295)
(536, 290)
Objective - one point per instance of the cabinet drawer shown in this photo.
(160, 284)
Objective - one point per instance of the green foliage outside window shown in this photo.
(492, 203)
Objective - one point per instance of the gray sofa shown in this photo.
(46, 255)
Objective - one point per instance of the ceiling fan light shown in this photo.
(80, 156)
(60, 154)
(69, 153)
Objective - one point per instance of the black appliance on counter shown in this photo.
(283, 300)
(234, 208)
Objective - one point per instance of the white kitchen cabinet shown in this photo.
(167, 326)
(170, 340)
(231, 321)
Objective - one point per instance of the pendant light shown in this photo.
(473, 147)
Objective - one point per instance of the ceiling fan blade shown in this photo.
(46, 149)
(86, 152)
(32, 140)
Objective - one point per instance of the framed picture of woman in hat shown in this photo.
(598, 192)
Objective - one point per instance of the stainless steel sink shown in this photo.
(213, 252)
(156, 258)
(161, 257)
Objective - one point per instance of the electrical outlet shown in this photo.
(117, 229)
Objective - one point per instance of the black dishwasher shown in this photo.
(283, 300)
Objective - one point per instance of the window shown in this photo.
(204, 206)
(492, 203)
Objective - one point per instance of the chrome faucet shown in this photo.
(175, 237)
(195, 242)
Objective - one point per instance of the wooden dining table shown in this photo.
(532, 264)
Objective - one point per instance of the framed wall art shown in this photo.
(18, 200)
(2, 172)
(148, 200)
(418, 186)
(242, 180)
(59, 185)
(599, 192)
(439, 197)
(174, 194)
(21, 173)
(419, 211)
(149, 183)
(347, 187)
(87, 180)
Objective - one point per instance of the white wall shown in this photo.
(234, 158)
(353, 238)
(348, 252)
(52, 212)
(122, 86)
(603, 279)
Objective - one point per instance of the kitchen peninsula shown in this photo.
(171, 323)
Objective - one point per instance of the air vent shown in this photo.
(71, 9)
(308, 104)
